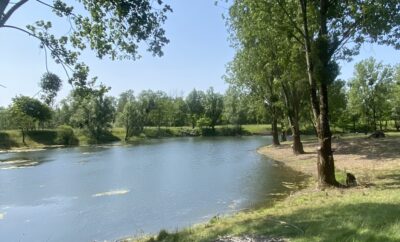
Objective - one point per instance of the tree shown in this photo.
(195, 103)
(111, 28)
(370, 91)
(179, 111)
(337, 99)
(50, 84)
(213, 106)
(26, 111)
(133, 119)
(124, 98)
(396, 98)
(234, 106)
(155, 106)
(324, 29)
(92, 111)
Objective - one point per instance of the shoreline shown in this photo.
(368, 211)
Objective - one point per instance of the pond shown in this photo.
(108, 192)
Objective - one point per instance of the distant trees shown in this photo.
(371, 100)
(133, 118)
(195, 103)
(213, 107)
(26, 113)
(370, 93)
(92, 111)
(235, 108)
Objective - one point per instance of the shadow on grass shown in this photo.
(390, 181)
(44, 137)
(375, 149)
(105, 137)
(358, 222)
(6, 142)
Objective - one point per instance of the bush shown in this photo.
(231, 131)
(66, 136)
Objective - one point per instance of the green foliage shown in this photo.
(110, 28)
(66, 136)
(195, 102)
(213, 107)
(26, 112)
(337, 99)
(50, 84)
(235, 108)
(133, 118)
(369, 94)
(203, 122)
(93, 111)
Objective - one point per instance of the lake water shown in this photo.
(109, 192)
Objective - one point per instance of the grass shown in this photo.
(257, 128)
(330, 215)
(368, 212)
(42, 138)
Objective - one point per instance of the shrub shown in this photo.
(66, 136)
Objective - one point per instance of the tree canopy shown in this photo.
(114, 29)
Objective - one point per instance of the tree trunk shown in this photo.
(297, 145)
(23, 136)
(292, 108)
(325, 162)
(275, 132)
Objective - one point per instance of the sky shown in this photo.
(196, 57)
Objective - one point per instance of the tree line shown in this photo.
(91, 110)
(367, 102)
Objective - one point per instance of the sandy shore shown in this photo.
(361, 156)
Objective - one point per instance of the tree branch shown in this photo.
(64, 66)
(290, 19)
(3, 6)
(11, 11)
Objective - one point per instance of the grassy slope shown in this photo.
(13, 138)
(370, 212)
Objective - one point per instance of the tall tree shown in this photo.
(195, 103)
(325, 28)
(213, 106)
(133, 117)
(370, 92)
(26, 111)
(235, 107)
(92, 111)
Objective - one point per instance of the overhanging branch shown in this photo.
(11, 11)
(64, 66)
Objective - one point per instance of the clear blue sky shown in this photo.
(195, 58)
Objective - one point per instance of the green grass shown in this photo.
(257, 128)
(357, 214)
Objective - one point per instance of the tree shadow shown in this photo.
(44, 137)
(6, 142)
(369, 148)
(390, 181)
(349, 222)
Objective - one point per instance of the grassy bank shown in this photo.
(12, 139)
(368, 212)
